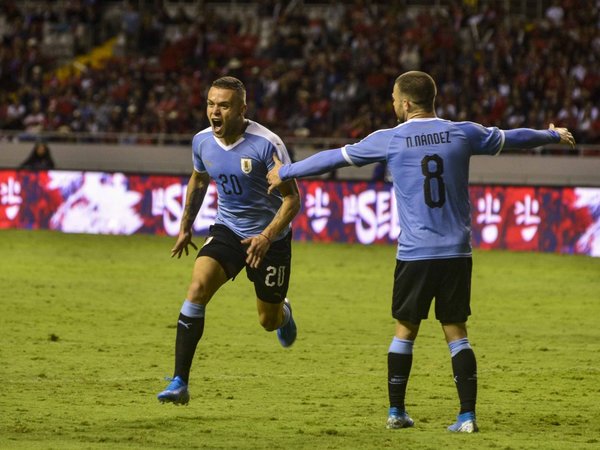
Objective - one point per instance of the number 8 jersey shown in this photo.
(429, 163)
(239, 172)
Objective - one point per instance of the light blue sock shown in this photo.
(401, 346)
(458, 345)
(192, 310)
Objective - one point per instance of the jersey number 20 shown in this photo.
(231, 184)
(432, 167)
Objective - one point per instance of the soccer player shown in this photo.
(428, 159)
(252, 229)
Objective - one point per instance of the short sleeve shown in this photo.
(372, 148)
(197, 154)
(279, 148)
(483, 140)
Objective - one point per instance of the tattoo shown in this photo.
(192, 207)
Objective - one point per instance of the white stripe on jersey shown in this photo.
(346, 157)
(501, 143)
(259, 130)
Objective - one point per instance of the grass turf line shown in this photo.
(88, 327)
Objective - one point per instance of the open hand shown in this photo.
(183, 240)
(273, 175)
(257, 249)
(565, 135)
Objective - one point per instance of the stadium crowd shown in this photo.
(319, 72)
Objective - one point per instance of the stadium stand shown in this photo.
(312, 69)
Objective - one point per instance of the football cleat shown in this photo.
(176, 392)
(398, 419)
(287, 333)
(465, 423)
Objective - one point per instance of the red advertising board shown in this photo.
(548, 219)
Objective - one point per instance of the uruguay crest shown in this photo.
(246, 165)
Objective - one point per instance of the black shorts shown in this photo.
(416, 283)
(271, 279)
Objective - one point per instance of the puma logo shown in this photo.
(186, 325)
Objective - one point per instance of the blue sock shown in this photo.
(402, 346)
(193, 310)
(458, 345)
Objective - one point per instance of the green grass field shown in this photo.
(87, 328)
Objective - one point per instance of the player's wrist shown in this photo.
(264, 235)
(283, 172)
(185, 230)
(555, 134)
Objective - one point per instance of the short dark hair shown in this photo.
(419, 87)
(233, 84)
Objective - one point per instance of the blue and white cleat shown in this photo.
(398, 419)
(465, 423)
(176, 392)
(287, 333)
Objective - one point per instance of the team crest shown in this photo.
(246, 165)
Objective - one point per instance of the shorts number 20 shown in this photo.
(275, 276)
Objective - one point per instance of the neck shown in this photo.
(232, 139)
(421, 115)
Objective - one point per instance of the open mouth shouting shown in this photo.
(217, 125)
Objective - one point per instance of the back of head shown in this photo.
(419, 88)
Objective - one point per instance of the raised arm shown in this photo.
(196, 190)
(319, 163)
(528, 138)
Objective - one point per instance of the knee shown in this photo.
(198, 293)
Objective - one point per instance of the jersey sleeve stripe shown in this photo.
(501, 146)
(347, 157)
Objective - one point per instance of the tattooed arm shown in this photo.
(196, 191)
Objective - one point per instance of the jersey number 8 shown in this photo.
(432, 167)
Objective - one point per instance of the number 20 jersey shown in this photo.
(429, 163)
(239, 171)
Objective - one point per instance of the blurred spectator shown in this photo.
(39, 158)
(305, 75)
(555, 13)
(34, 121)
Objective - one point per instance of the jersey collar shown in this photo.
(231, 146)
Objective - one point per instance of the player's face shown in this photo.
(225, 110)
(399, 104)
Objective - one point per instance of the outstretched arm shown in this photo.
(528, 138)
(196, 191)
(316, 164)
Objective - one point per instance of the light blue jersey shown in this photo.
(429, 163)
(239, 171)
